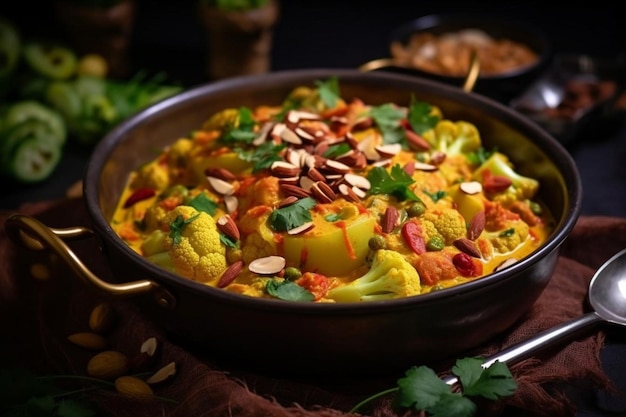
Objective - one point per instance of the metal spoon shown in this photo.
(607, 296)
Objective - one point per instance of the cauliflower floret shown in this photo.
(390, 276)
(449, 223)
(191, 247)
(498, 165)
(154, 175)
(509, 238)
(454, 138)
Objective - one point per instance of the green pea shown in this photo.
(292, 273)
(377, 242)
(416, 209)
(435, 243)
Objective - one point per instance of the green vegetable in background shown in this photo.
(50, 59)
(10, 46)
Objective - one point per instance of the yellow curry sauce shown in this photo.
(328, 200)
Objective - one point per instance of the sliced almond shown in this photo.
(149, 346)
(505, 264)
(89, 340)
(305, 227)
(366, 145)
(321, 194)
(357, 181)
(231, 202)
(287, 201)
(416, 142)
(306, 183)
(220, 186)
(294, 190)
(390, 219)
(423, 166)
(389, 150)
(304, 134)
(476, 226)
(284, 169)
(471, 187)
(315, 175)
(289, 136)
(220, 173)
(163, 374)
(336, 166)
(268, 265)
(346, 191)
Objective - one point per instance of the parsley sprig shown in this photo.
(420, 116)
(422, 390)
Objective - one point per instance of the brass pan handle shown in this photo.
(32, 234)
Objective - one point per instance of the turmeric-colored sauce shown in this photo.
(327, 199)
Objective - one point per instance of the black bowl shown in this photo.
(501, 86)
(323, 339)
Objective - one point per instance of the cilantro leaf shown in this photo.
(336, 150)
(262, 156)
(420, 116)
(452, 404)
(388, 118)
(492, 383)
(395, 183)
(203, 203)
(421, 388)
(328, 91)
(177, 227)
(293, 215)
(242, 130)
(436, 196)
(288, 291)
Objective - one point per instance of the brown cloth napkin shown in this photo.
(36, 316)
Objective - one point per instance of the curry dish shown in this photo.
(327, 199)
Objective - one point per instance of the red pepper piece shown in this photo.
(412, 234)
(317, 284)
(138, 195)
(495, 183)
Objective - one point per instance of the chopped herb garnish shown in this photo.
(336, 150)
(480, 156)
(420, 116)
(228, 241)
(329, 91)
(177, 227)
(202, 202)
(333, 217)
(507, 233)
(242, 130)
(436, 196)
(396, 183)
(293, 215)
(388, 118)
(262, 156)
(288, 290)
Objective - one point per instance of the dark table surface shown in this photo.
(343, 34)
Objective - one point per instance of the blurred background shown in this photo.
(168, 38)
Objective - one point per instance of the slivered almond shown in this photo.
(289, 136)
(321, 193)
(357, 181)
(304, 134)
(227, 225)
(220, 173)
(467, 246)
(390, 219)
(287, 201)
(294, 190)
(359, 192)
(230, 274)
(284, 169)
(315, 175)
(294, 116)
(415, 141)
(268, 265)
(336, 166)
(263, 133)
(301, 229)
(346, 191)
(505, 264)
(220, 186)
(289, 180)
(476, 226)
(471, 187)
(163, 374)
(438, 158)
(423, 166)
(231, 202)
(366, 145)
(362, 124)
(387, 151)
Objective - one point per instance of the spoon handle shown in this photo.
(542, 340)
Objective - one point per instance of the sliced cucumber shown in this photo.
(33, 110)
(64, 98)
(51, 60)
(30, 152)
(10, 46)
